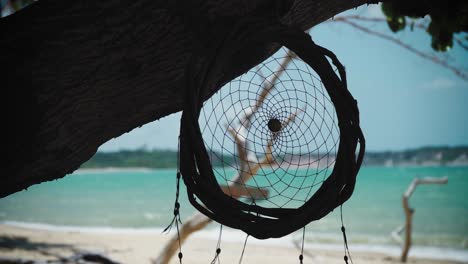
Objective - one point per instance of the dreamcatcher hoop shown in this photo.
(203, 190)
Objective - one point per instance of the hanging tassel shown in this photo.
(345, 240)
(301, 256)
(346, 243)
(176, 219)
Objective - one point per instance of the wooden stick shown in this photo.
(459, 71)
(409, 211)
(245, 191)
(396, 234)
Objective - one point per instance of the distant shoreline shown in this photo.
(148, 169)
(116, 169)
(155, 159)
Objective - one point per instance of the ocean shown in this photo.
(143, 199)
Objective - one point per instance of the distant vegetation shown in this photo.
(426, 156)
(141, 158)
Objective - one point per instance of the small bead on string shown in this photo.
(218, 246)
(180, 255)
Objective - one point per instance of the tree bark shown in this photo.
(79, 73)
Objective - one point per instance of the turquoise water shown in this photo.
(145, 199)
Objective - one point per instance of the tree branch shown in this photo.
(83, 72)
(434, 59)
(270, 84)
(461, 43)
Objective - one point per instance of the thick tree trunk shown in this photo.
(79, 73)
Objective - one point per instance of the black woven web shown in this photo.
(287, 135)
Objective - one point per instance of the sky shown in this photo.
(405, 101)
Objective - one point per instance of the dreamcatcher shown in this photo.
(275, 148)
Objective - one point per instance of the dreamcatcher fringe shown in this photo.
(345, 240)
(176, 219)
(301, 256)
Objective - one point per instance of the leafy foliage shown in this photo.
(447, 18)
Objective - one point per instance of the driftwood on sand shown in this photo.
(408, 226)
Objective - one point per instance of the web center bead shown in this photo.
(274, 125)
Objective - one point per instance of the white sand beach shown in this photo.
(140, 246)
